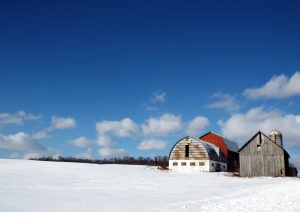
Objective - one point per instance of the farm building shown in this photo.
(229, 149)
(264, 156)
(196, 155)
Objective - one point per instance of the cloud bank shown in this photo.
(278, 87)
(242, 126)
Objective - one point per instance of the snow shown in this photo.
(52, 186)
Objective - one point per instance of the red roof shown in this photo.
(224, 144)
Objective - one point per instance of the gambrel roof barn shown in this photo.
(229, 148)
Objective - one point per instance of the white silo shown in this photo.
(276, 136)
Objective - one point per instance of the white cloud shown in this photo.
(7, 119)
(29, 155)
(105, 141)
(81, 142)
(196, 126)
(163, 125)
(277, 87)
(124, 128)
(24, 145)
(40, 135)
(241, 127)
(156, 100)
(62, 123)
(158, 96)
(112, 152)
(152, 144)
(105, 129)
(224, 101)
(20, 142)
(28, 116)
(17, 118)
(88, 154)
(109, 148)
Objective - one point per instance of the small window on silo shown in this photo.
(187, 151)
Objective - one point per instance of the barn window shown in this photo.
(258, 147)
(187, 151)
(192, 164)
(212, 164)
(201, 163)
(175, 164)
(183, 163)
(224, 166)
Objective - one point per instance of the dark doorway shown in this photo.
(187, 151)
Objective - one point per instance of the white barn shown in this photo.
(196, 155)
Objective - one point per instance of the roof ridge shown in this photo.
(272, 140)
(230, 144)
(260, 132)
(217, 135)
(245, 144)
(208, 143)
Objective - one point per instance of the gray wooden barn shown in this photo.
(264, 156)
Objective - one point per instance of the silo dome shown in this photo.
(276, 136)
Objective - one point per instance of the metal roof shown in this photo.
(212, 152)
(211, 149)
(231, 145)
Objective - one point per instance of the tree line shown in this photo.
(160, 161)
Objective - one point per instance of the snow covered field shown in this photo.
(62, 187)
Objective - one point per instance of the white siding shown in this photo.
(208, 167)
(213, 166)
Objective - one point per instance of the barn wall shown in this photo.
(209, 166)
(215, 166)
(267, 160)
(196, 168)
(197, 150)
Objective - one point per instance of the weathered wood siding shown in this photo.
(266, 160)
(196, 150)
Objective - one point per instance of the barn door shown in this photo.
(218, 167)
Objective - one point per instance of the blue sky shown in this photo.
(109, 78)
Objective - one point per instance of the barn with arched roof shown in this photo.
(197, 155)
